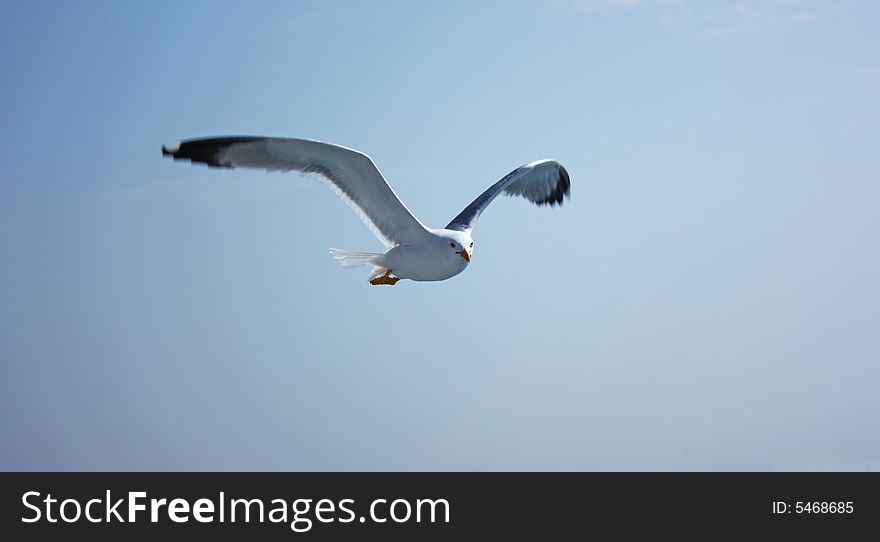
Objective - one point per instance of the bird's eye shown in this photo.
(472, 244)
(452, 245)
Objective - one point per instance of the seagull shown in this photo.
(415, 251)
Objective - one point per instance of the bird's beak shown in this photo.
(464, 254)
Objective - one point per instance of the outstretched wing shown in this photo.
(352, 175)
(541, 182)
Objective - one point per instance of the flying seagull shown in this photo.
(416, 252)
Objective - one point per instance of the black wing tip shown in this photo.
(204, 150)
(561, 191)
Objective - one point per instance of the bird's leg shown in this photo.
(385, 279)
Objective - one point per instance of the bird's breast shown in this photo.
(424, 263)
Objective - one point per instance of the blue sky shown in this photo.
(706, 300)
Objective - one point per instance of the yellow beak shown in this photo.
(464, 254)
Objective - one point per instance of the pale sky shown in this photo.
(707, 299)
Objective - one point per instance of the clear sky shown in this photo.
(707, 299)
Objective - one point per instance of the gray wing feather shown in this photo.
(542, 182)
(350, 174)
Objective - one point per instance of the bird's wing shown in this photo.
(352, 175)
(541, 182)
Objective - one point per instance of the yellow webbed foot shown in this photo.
(385, 279)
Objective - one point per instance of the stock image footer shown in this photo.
(400, 506)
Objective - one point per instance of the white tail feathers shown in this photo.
(355, 259)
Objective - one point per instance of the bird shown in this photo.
(414, 250)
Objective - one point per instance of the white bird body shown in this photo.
(431, 260)
(416, 252)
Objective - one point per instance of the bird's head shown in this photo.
(460, 244)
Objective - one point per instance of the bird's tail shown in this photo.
(355, 259)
